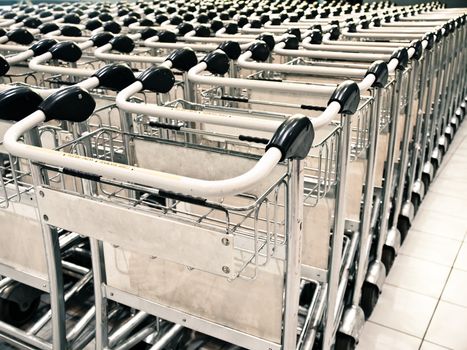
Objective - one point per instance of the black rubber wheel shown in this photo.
(370, 295)
(388, 257)
(435, 164)
(17, 314)
(403, 225)
(416, 201)
(344, 342)
(426, 181)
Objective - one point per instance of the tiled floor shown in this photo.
(424, 301)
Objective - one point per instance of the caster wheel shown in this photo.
(426, 181)
(416, 201)
(18, 314)
(344, 342)
(388, 257)
(435, 164)
(403, 225)
(370, 296)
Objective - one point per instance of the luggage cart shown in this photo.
(213, 99)
(36, 265)
(252, 266)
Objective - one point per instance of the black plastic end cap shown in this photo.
(316, 37)
(146, 22)
(365, 24)
(48, 27)
(166, 36)
(71, 31)
(430, 39)
(72, 104)
(202, 31)
(417, 46)
(335, 33)
(4, 66)
(129, 20)
(352, 27)
(268, 39)
(217, 62)
(71, 19)
(242, 21)
(216, 25)
(32, 22)
(291, 42)
(348, 96)
(380, 70)
(18, 102)
(296, 32)
(93, 24)
(402, 57)
(66, 51)
(231, 48)
(147, 33)
(102, 38)
(115, 76)
(294, 138)
(112, 27)
(157, 79)
(20, 36)
(42, 46)
(183, 59)
(231, 28)
(259, 51)
(122, 43)
(184, 28)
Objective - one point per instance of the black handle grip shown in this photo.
(81, 174)
(20, 36)
(216, 25)
(129, 20)
(72, 104)
(71, 31)
(18, 102)
(234, 99)
(231, 28)
(42, 46)
(157, 79)
(268, 39)
(164, 126)
(122, 43)
(231, 48)
(147, 33)
(102, 38)
(32, 22)
(93, 24)
(66, 51)
(115, 76)
(402, 58)
(380, 70)
(293, 138)
(217, 62)
(146, 22)
(291, 42)
(71, 19)
(183, 59)
(4, 66)
(48, 27)
(184, 28)
(253, 139)
(167, 36)
(259, 51)
(348, 96)
(112, 27)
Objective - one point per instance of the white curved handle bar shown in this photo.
(195, 76)
(151, 178)
(348, 56)
(225, 120)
